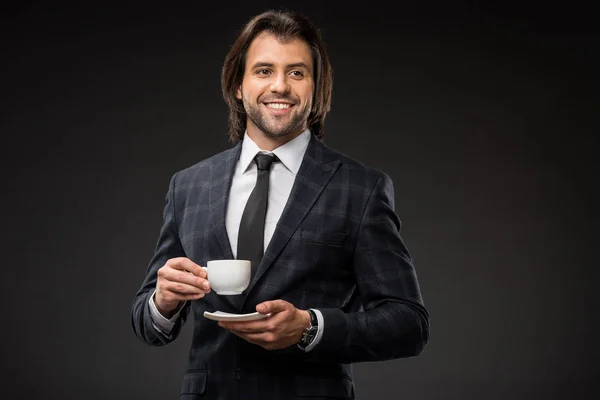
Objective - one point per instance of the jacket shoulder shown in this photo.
(202, 169)
(356, 167)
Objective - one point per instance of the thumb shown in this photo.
(273, 306)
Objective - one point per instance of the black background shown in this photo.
(484, 117)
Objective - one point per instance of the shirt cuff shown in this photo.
(159, 322)
(320, 330)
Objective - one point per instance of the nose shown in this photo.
(279, 84)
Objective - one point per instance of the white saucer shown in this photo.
(224, 316)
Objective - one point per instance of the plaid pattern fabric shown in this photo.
(337, 248)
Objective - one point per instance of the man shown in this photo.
(336, 278)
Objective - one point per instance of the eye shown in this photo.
(297, 74)
(263, 71)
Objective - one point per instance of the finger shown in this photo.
(193, 280)
(254, 337)
(181, 288)
(232, 326)
(184, 277)
(273, 306)
(185, 264)
(249, 327)
(258, 338)
(176, 297)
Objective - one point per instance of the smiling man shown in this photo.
(329, 267)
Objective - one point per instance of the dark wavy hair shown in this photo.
(285, 25)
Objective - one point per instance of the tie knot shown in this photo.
(264, 161)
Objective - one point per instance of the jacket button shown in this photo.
(238, 374)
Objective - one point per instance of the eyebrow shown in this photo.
(268, 64)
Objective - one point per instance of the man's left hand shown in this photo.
(281, 329)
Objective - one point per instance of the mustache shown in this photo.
(278, 99)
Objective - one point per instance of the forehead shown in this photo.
(266, 48)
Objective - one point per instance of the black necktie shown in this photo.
(252, 226)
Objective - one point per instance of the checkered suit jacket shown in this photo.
(336, 248)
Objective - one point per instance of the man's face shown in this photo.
(277, 88)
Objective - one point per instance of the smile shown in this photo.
(278, 106)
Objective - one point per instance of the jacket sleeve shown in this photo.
(167, 247)
(393, 322)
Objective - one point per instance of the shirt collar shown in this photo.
(290, 154)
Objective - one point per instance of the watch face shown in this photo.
(309, 335)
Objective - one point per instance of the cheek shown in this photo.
(308, 94)
(309, 99)
(251, 92)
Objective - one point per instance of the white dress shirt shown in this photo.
(281, 180)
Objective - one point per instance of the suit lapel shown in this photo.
(317, 168)
(221, 175)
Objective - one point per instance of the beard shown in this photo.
(277, 126)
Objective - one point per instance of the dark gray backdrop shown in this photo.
(482, 117)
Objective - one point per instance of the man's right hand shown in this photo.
(180, 279)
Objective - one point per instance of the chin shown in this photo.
(278, 134)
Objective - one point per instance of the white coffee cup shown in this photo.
(228, 277)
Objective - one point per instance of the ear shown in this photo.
(238, 93)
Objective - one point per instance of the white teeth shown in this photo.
(278, 106)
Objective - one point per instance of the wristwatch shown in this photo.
(309, 333)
